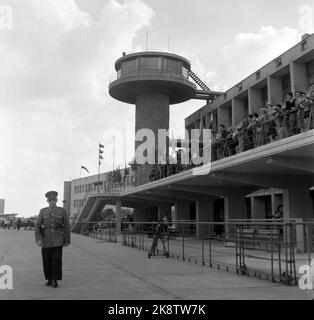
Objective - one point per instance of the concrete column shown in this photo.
(152, 112)
(182, 210)
(224, 116)
(235, 205)
(118, 216)
(258, 208)
(204, 212)
(298, 76)
(274, 90)
(297, 204)
(255, 100)
(237, 111)
(296, 198)
(235, 208)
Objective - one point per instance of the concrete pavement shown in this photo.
(93, 269)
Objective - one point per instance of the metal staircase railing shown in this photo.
(79, 210)
(200, 82)
(113, 189)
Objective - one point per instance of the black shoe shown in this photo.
(55, 284)
(49, 283)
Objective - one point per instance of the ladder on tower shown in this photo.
(206, 93)
(200, 82)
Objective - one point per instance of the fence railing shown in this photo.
(264, 132)
(105, 230)
(264, 249)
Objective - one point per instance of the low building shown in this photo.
(2, 205)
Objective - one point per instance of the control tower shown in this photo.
(152, 81)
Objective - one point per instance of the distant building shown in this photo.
(2, 204)
(77, 191)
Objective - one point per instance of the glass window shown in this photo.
(185, 72)
(129, 67)
(173, 66)
(149, 63)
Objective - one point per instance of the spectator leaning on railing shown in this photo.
(271, 124)
(288, 106)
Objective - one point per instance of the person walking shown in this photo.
(52, 233)
(18, 224)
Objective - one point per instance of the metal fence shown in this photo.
(264, 249)
(105, 231)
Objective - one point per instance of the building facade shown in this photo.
(77, 190)
(248, 183)
(290, 72)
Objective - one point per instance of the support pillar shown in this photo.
(182, 210)
(235, 208)
(297, 205)
(118, 216)
(204, 212)
(258, 208)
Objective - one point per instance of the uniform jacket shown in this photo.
(52, 227)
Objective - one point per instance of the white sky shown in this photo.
(56, 61)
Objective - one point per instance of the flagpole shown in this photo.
(113, 151)
(98, 168)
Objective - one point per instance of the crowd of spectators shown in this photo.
(272, 123)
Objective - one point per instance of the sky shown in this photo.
(57, 58)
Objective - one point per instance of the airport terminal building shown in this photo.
(262, 156)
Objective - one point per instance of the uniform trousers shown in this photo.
(52, 262)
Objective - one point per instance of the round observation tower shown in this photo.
(152, 81)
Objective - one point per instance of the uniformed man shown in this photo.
(52, 232)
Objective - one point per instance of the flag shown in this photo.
(82, 167)
(100, 152)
